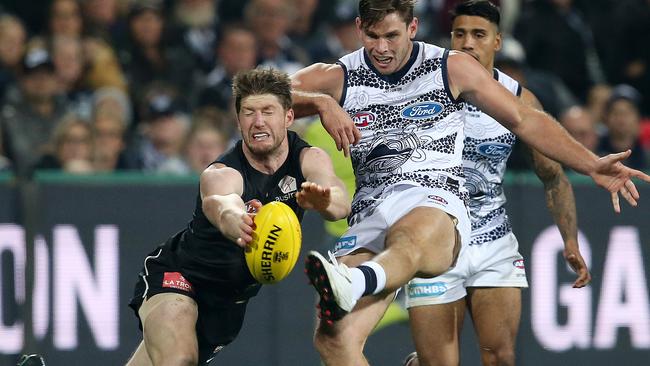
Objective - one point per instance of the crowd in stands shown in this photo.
(95, 86)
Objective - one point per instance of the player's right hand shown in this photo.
(340, 126)
(238, 226)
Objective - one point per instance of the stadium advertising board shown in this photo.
(89, 241)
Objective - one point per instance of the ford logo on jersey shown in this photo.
(494, 149)
(422, 110)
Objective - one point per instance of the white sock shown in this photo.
(359, 279)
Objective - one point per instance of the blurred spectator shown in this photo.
(65, 18)
(552, 93)
(634, 20)
(270, 21)
(109, 132)
(341, 36)
(226, 122)
(581, 125)
(557, 39)
(205, 142)
(68, 59)
(196, 23)
(103, 20)
(31, 111)
(622, 119)
(103, 67)
(149, 57)
(159, 145)
(114, 101)
(12, 49)
(596, 99)
(72, 146)
(305, 25)
(100, 62)
(236, 51)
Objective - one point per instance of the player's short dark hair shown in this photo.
(372, 12)
(262, 81)
(480, 8)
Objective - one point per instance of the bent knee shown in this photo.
(504, 356)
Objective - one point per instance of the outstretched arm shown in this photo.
(470, 81)
(322, 191)
(317, 89)
(221, 190)
(560, 203)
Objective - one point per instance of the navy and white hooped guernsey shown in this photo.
(411, 127)
(487, 148)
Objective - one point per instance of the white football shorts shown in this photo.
(370, 232)
(491, 264)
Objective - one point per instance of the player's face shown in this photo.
(388, 42)
(477, 37)
(263, 123)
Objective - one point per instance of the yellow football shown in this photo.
(276, 243)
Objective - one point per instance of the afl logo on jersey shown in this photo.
(494, 149)
(363, 119)
(422, 110)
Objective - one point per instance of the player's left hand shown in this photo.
(615, 177)
(314, 197)
(577, 263)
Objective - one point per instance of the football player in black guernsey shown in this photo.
(193, 290)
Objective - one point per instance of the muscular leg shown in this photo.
(169, 327)
(342, 343)
(436, 332)
(423, 243)
(496, 313)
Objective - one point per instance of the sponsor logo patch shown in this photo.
(177, 281)
(346, 242)
(438, 199)
(434, 289)
(363, 119)
(422, 110)
(288, 184)
(494, 149)
(519, 263)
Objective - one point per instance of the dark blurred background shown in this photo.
(110, 108)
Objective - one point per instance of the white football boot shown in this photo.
(333, 282)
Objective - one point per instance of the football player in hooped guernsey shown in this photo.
(409, 215)
(193, 290)
(490, 273)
